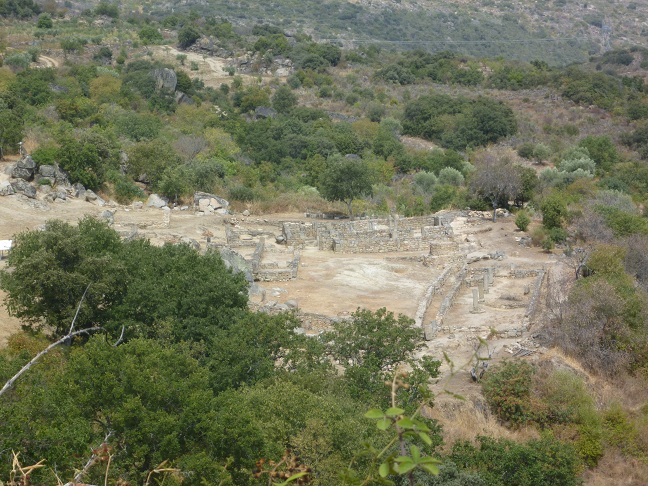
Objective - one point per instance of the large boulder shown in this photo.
(78, 190)
(48, 171)
(26, 162)
(22, 173)
(165, 78)
(6, 189)
(208, 203)
(23, 187)
(155, 201)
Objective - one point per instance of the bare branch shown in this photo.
(12, 380)
(78, 309)
(121, 337)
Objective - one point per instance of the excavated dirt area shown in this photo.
(335, 284)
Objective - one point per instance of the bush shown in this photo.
(507, 389)
(451, 177)
(522, 221)
(543, 462)
(554, 211)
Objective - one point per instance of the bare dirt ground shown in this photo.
(211, 69)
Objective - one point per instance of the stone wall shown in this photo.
(369, 235)
(431, 291)
(449, 299)
(535, 294)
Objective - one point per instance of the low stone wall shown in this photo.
(237, 238)
(535, 294)
(449, 299)
(431, 291)
(369, 235)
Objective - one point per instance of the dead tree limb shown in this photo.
(25, 368)
(71, 333)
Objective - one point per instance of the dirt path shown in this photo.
(48, 62)
(211, 69)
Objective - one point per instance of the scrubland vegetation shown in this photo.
(218, 391)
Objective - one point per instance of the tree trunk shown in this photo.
(494, 212)
(349, 205)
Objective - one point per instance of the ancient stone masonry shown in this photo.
(370, 236)
(429, 294)
(535, 295)
(451, 296)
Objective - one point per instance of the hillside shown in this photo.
(311, 243)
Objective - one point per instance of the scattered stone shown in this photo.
(90, 196)
(6, 189)
(108, 216)
(155, 201)
(246, 213)
(292, 304)
(138, 205)
(280, 239)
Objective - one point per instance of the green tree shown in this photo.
(601, 150)
(188, 36)
(108, 9)
(48, 272)
(346, 179)
(554, 211)
(284, 99)
(45, 21)
(150, 35)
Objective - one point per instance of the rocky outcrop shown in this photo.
(155, 201)
(210, 203)
(165, 78)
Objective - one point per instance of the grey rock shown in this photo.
(22, 173)
(246, 213)
(292, 304)
(6, 189)
(280, 239)
(198, 196)
(78, 190)
(191, 242)
(48, 171)
(183, 99)
(45, 189)
(90, 196)
(108, 216)
(155, 201)
(237, 263)
(165, 79)
(26, 162)
(265, 112)
(24, 187)
(184, 208)
(62, 176)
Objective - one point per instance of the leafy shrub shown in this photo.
(507, 389)
(543, 462)
(451, 176)
(522, 221)
(241, 193)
